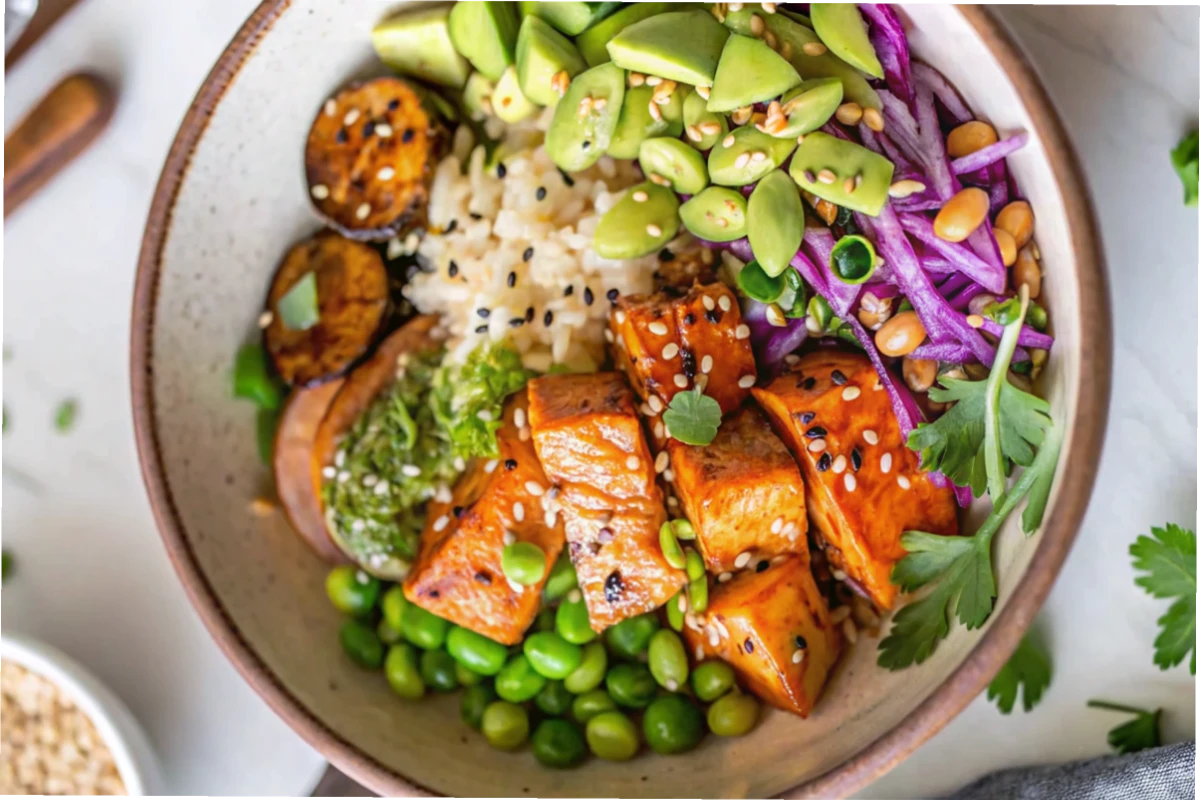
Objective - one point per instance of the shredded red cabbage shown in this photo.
(891, 46)
(989, 155)
(1028, 336)
(990, 275)
(946, 94)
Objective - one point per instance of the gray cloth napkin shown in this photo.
(1164, 773)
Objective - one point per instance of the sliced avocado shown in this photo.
(509, 103)
(593, 42)
(846, 160)
(486, 35)
(791, 38)
(682, 46)
(542, 53)
(775, 222)
(477, 96)
(636, 125)
(417, 43)
(843, 31)
(809, 106)
(640, 223)
(699, 121)
(717, 214)
(727, 168)
(585, 120)
(749, 72)
(570, 18)
(675, 161)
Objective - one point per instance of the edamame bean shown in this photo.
(589, 704)
(523, 563)
(668, 660)
(711, 679)
(552, 655)
(476, 651)
(505, 725)
(517, 681)
(562, 579)
(629, 638)
(733, 715)
(437, 670)
(684, 531)
(630, 685)
(572, 622)
(676, 609)
(554, 699)
(386, 633)
(694, 565)
(392, 604)
(612, 736)
(590, 672)
(474, 701)
(558, 743)
(673, 724)
(361, 643)
(422, 628)
(671, 550)
(403, 673)
(467, 677)
(351, 590)
(698, 592)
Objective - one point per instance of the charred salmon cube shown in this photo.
(593, 449)
(457, 573)
(668, 343)
(742, 493)
(864, 487)
(774, 629)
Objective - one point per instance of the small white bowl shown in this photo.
(135, 760)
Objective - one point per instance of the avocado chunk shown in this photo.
(583, 124)
(542, 53)
(860, 177)
(486, 35)
(704, 128)
(675, 161)
(791, 37)
(477, 96)
(726, 167)
(509, 103)
(682, 46)
(717, 214)
(774, 222)
(636, 125)
(417, 43)
(749, 72)
(593, 42)
(640, 223)
(809, 106)
(843, 31)
(570, 18)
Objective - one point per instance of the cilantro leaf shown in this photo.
(1028, 668)
(692, 418)
(1169, 561)
(64, 415)
(1140, 733)
(1185, 158)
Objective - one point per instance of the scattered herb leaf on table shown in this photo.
(1169, 561)
(1028, 670)
(1140, 733)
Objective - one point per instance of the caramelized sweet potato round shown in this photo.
(369, 158)
(352, 303)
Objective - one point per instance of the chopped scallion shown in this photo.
(853, 259)
(298, 310)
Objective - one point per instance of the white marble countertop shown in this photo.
(93, 579)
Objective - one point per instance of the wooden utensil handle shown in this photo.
(60, 127)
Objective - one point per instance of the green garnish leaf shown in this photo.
(1185, 158)
(298, 309)
(692, 418)
(265, 425)
(6, 565)
(468, 401)
(64, 415)
(1028, 670)
(1169, 563)
(252, 378)
(1140, 733)
(756, 284)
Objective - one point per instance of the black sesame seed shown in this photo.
(823, 462)
(614, 587)
(482, 329)
(837, 377)
(516, 322)
(434, 594)
(567, 179)
(548, 318)
(588, 297)
(762, 566)
(712, 316)
(501, 171)
(451, 226)
(393, 105)
(689, 362)
(510, 464)
(512, 279)
(529, 314)
(807, 417)
(476, 216)
(484, 578)
(585, 144)
(453, 270)
(570, 290)
(408, 135)
(612, 295)
(458, 512)
(368, 129)
(689, 319)
(484, 312)
(801, 643)
(856, 459)
(816, 432)
(666, 255)
(342, 137)
(528, 254)
(809, 383)
(541, 193)
(748, 645)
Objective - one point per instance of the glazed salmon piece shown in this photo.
(457, 573)
(668, 343)
(593, 449)
(864, 487)
(742, 493)
(774, 629)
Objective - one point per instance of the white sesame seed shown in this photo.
(443, 495)
(516, 587)
(411, 470)
(358, 526)
(851, 393)
(329, 472)
(816, 445)
(742, 560)
(319, 191)
(460, 463)
(839, 465)
(706, 364)
(725, 577)
(681, 380)
(441, 522)
(725, 303)
(655, 403)
(797, 656)
(620, 317)
(885, 463)
(870, 436)
(608, 336)
(657, 328)
(850, 481)
(343, 476)
(814, 49)
(265, 319)
(777, 525)
(660, 432)
(694, 133)
(640, 197)
(838, 575)
(534, 488)
(741, 161)
(669, 476)
(363, 211)
(661, 462)
(519, 417)
(671, 684)
(699, 652)
(728, 141)
(633, 462)
(351, 117)
(670, 351)
(386, 174)
(491, 465)
(714, 636)
(742, 332)
(904, 482)
(485, 415)
(518, 511)
(789, 528)
(509, 538)
(330, 107)
(654, 230)
(551, 519)
(340, 459)
(746, 381)
(758, 156)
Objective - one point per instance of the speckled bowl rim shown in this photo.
(967, 681)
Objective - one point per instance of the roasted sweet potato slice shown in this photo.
(370, 157)
(774, 629)
(863, 486)
(297, 476)
(352, 303)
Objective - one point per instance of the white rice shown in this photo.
(558, 229)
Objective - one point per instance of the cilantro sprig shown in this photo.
(1185, 158)
(1168, 560)
(1027, 671)
(693, 418)
(1139, 733)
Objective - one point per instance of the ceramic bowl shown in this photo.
(230, 201)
